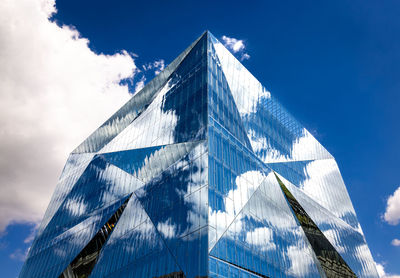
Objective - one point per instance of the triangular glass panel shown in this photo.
(136, 105)
(133, 245)
(52, 257)
(330, 260)
(234, 175)
(348, 241)
(221, 105)
(73, 169)
(265, 231)
(100, 184)
(84, 263)
(171, 117)
(321, 181)
(147, 163)
(176, 202)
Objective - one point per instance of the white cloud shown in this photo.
(392, 213)
(233, 44)
(395, 242)
(381, 272)
(54, 92)
(158, 66)
(236, 46)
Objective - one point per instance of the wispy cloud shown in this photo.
(147, 71)
(236, 46)
(54, 92)
(19, 254)
(392, 213)
(158, 66)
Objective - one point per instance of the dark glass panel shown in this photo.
(330, 260)
(84, 263)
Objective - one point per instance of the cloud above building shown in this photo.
(236, 46)
(54, 92)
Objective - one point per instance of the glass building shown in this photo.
(202, 173)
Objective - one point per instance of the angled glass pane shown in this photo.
(348, 241)
(331, 261)
(133, 246)
(73, 169)
(234, 175)
(322, 182)
(273, 133)
(179, 111)
(136, 105)
(265, 239)
(83, 264)
(176, 203)
(99, 185)
(221, 105)
(52, 257)
(147, 163)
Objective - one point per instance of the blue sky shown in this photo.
(335, 65)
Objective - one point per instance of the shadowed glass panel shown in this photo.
(52, 258)
(330, 260)
(135, 248)
(348, 241)
(84, 263)
(99, 185)
(266, 239)
(320, 180)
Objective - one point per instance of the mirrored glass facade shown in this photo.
(201, 174)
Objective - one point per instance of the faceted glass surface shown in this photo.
(182, 181)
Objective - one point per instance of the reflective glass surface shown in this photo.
(348, 241)
(182, 182)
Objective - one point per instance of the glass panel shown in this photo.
(347, 240)
(172, 117)
(265, 238)
(274, 134)
(133, 245)
(176, 203)
(146, 164)
(330, 260)
(123, 117)
(84, 263)
(50, 258)
(321, 180)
